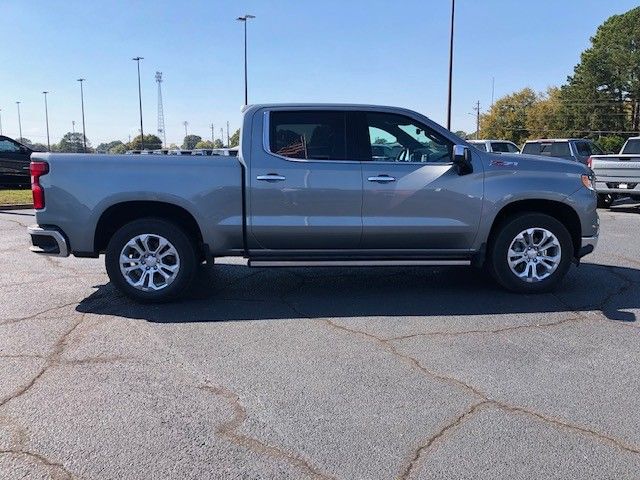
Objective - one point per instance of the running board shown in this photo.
(356, 263)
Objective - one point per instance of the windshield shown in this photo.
(504, 147)
(632, 147)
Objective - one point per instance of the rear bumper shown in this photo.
(48, 241)
(588, 246)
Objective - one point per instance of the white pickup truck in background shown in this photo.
(617, 175)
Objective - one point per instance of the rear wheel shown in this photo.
(531, 253)
(151, 260)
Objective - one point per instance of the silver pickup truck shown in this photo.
(306, 190)
(617, 175)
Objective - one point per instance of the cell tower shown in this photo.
(161, 133)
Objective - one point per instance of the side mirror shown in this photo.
(462, 159)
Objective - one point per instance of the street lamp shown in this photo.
(137, 60)
(453, 10)
(46, 116)
(19, 120)
(244, 20)
(84, 135)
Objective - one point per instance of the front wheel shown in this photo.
(151, 260)
(531, 253)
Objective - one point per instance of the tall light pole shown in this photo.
(185, 123)
(244, 20)
(0, 121)
(84, 134)
(137, 60)
(19, 121)
(46, 116)
(453, 12)
(73, 126)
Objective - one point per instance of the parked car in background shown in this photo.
(495, 146)
(160, 151)
(14, 163)
(226, 152)
(577, 149)
(617, 175)
(307, 191)
(133, 152)
(179, 152)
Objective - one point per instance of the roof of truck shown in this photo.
(559, 140)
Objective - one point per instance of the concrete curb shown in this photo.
(19, 206)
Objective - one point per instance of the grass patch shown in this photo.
(13, 197)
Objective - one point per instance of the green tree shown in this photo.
(542, 117)
(118, 149)
(611, 143)
(151, 142)
(205, 144)
(72, 143)
(380, 141)
(234, 141)
(462, 134)
(603, 94)
(190, 141)
(218, 143)
(106, 147)
(507, 118)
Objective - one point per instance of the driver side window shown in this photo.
(396, 138)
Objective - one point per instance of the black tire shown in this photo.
(507, 232)
(186, 255)
(605, 200)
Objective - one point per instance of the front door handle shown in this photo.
(382, 179)
(272, 177)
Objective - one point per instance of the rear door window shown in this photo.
(503, 147)
(480, 146)
(560, 149)
(531, 148)
(309, 135)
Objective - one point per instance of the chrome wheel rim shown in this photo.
(534, 254)
(149, 262)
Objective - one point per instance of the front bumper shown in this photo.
(48, 241)
(588, 246)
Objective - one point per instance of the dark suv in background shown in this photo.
(577, 149)
(14, 163)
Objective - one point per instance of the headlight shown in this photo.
(587, 181)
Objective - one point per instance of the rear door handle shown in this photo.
(272, 177)
(382, 179)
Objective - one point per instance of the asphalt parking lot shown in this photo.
(324, 373)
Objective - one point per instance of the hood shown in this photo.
(535, 162)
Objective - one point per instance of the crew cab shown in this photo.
(617, 175)
(306, 190)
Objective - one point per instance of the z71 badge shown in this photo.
(503, 163)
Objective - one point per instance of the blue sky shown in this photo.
(361, 51)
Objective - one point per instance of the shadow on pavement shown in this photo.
(231, 292)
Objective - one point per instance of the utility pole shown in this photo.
(0, 121)
(46, 115)
(137, 60)
(84, 134)
(19, 121)
(477, 109)
(185, 123)
(453, 10)
(73, 126)
(244, 19)
(212, 130)
(222, 136)
(228, 142)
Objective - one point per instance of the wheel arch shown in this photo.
(122, 213)
(562, 212)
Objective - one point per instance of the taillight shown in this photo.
(38, 169)
(589, 162)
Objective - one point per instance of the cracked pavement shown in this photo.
(345, 373)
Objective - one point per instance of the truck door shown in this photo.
(416, 200)
(305, 191)
(14, 162)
